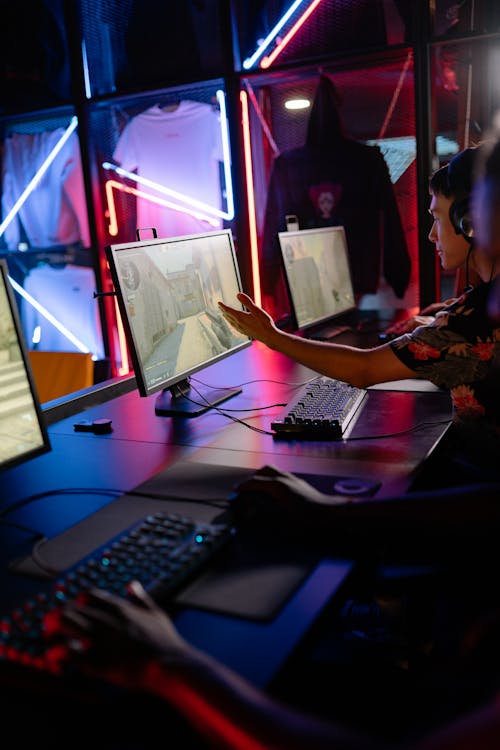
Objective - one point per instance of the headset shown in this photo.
(461, 219)
(460, 177)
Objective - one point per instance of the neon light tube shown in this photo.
(124, 369)
(226, 154)
(38, 176)
(113, 221)
(167, 191)
(86, 76)
(46, 314)
(247, 151)
(267, 61)
(248, 63)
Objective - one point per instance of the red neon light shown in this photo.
(113, 222)
(269, 59)
(247, 151)
(124, 368)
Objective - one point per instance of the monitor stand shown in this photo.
(178, 401)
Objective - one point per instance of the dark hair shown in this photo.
(456, 178)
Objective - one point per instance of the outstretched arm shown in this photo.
(360, 367)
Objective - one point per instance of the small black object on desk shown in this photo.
(97, 426)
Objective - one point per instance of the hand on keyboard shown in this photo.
(117, 636)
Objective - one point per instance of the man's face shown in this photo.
(452, 248)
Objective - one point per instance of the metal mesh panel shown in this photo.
(142, 44)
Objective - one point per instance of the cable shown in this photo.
(67, 491)
(33, 532)
(250, 382)
(228, 416)
(418, 426)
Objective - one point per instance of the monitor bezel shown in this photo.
(113, 252)
(329, 317)
(44, 446)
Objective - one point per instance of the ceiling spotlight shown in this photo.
(297, 104)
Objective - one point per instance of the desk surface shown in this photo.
(383, 445)
(373, 448)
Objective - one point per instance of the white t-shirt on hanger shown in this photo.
(180, 149)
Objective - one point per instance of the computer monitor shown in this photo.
(317, 273)
(22, 428)
(167, 292)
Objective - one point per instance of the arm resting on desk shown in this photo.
(272, 496)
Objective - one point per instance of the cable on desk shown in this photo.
(224, 413)
(417, 426)
(250, 382)
(55, 493)
(32, 532)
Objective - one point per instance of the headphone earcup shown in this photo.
(466, 227)
(461, 219)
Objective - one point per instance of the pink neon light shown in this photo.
(269, 59)
(124, 369)
(113, 222)
(247, 151)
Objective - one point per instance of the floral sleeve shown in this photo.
(457, 351)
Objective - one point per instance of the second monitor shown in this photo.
(318, 276)
(167, 292)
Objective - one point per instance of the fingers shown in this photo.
(140, 596)
(246, 300)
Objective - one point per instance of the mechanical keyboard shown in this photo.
(321, 410)
(164, 551)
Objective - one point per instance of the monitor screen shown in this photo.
(22, 428)
(318, 275)
(168, 290)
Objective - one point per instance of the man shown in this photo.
(456, 351)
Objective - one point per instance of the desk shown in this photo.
(143, 444)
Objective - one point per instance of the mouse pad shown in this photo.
(254, 575)
(252, 578)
